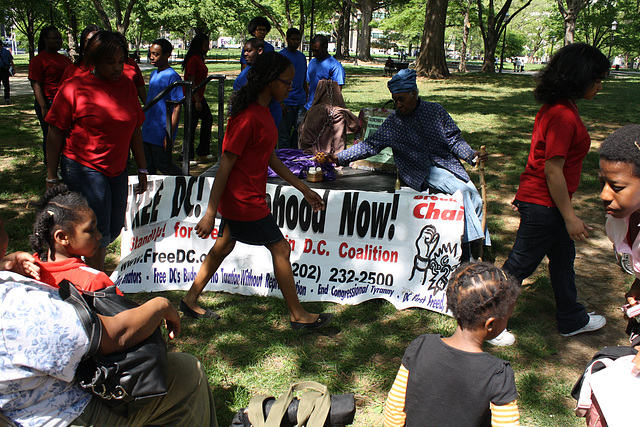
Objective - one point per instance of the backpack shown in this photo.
(587, 406)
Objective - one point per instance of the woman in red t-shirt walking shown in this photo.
(239, 190)
(45, 74)
(195, 70)
(99, 114)
(559, 144)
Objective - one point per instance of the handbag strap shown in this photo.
(314, 404)
(89, 319)
(312, 412)
(255, 410)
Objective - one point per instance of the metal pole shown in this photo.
(504, 39)
(188, 134)
(221, 114)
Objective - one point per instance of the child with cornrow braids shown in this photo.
(65, 230)
(239, 190)
(451, 381)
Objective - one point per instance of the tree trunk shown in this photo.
(569, 28)
(342, 38)
(570, 16)
(491, 33)
(364, 42)
(301, 25)
(432, 62)
(287, 12)
(72, 29)
(462, 65)
(104, 19)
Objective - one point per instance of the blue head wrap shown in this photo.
(404, 81)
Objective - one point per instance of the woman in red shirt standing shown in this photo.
(195, 70)
(548, 222)
(45, 73)
(100, 115)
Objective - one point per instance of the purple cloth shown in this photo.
(298, 163)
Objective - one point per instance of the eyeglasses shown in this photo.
(287, 82)
(262, 30)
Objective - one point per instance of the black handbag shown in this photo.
(120, 378)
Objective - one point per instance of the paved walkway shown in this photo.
(20, 83)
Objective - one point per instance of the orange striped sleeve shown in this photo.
(394, 415)
(506, 415)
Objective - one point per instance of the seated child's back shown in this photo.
(451, 381)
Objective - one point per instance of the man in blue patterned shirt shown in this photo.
(427, 148)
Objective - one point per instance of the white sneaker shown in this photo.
(505, 339)
(595, 322)
(193, 163)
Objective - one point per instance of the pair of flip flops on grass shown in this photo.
(322, 320)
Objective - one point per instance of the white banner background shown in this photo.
(398, 246)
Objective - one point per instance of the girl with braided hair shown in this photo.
(438, 373)
(239, 189)
(65, 230)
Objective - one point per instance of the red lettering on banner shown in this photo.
(429, 211)
(184, 232)
(367, 253)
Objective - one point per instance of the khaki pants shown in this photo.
(188, 401)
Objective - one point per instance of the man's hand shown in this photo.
(332, 158)
(482, 157)
(172, 322)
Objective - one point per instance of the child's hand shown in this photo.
(205, 226)
(636, 361)
(314, 200)
(21, 263)
(577, 229)
(633, 296)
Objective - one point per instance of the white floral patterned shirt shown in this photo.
(41, 343)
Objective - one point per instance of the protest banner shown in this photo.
(398, 246)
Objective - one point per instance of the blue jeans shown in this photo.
(291, 118)
(542, 232)
(43, 125)
(107, 196)
(442, 180)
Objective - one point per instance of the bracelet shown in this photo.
(53, 180)
(144, 171)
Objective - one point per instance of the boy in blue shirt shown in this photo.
(293, 106)
(158, 146)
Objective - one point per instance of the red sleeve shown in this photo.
(36, 69)
(136, 74)
(61, 113)
(239, 132)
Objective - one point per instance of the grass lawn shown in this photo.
(252, 349)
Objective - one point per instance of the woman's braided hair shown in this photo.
(265, 69)
(59, 209)
(478, 291)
